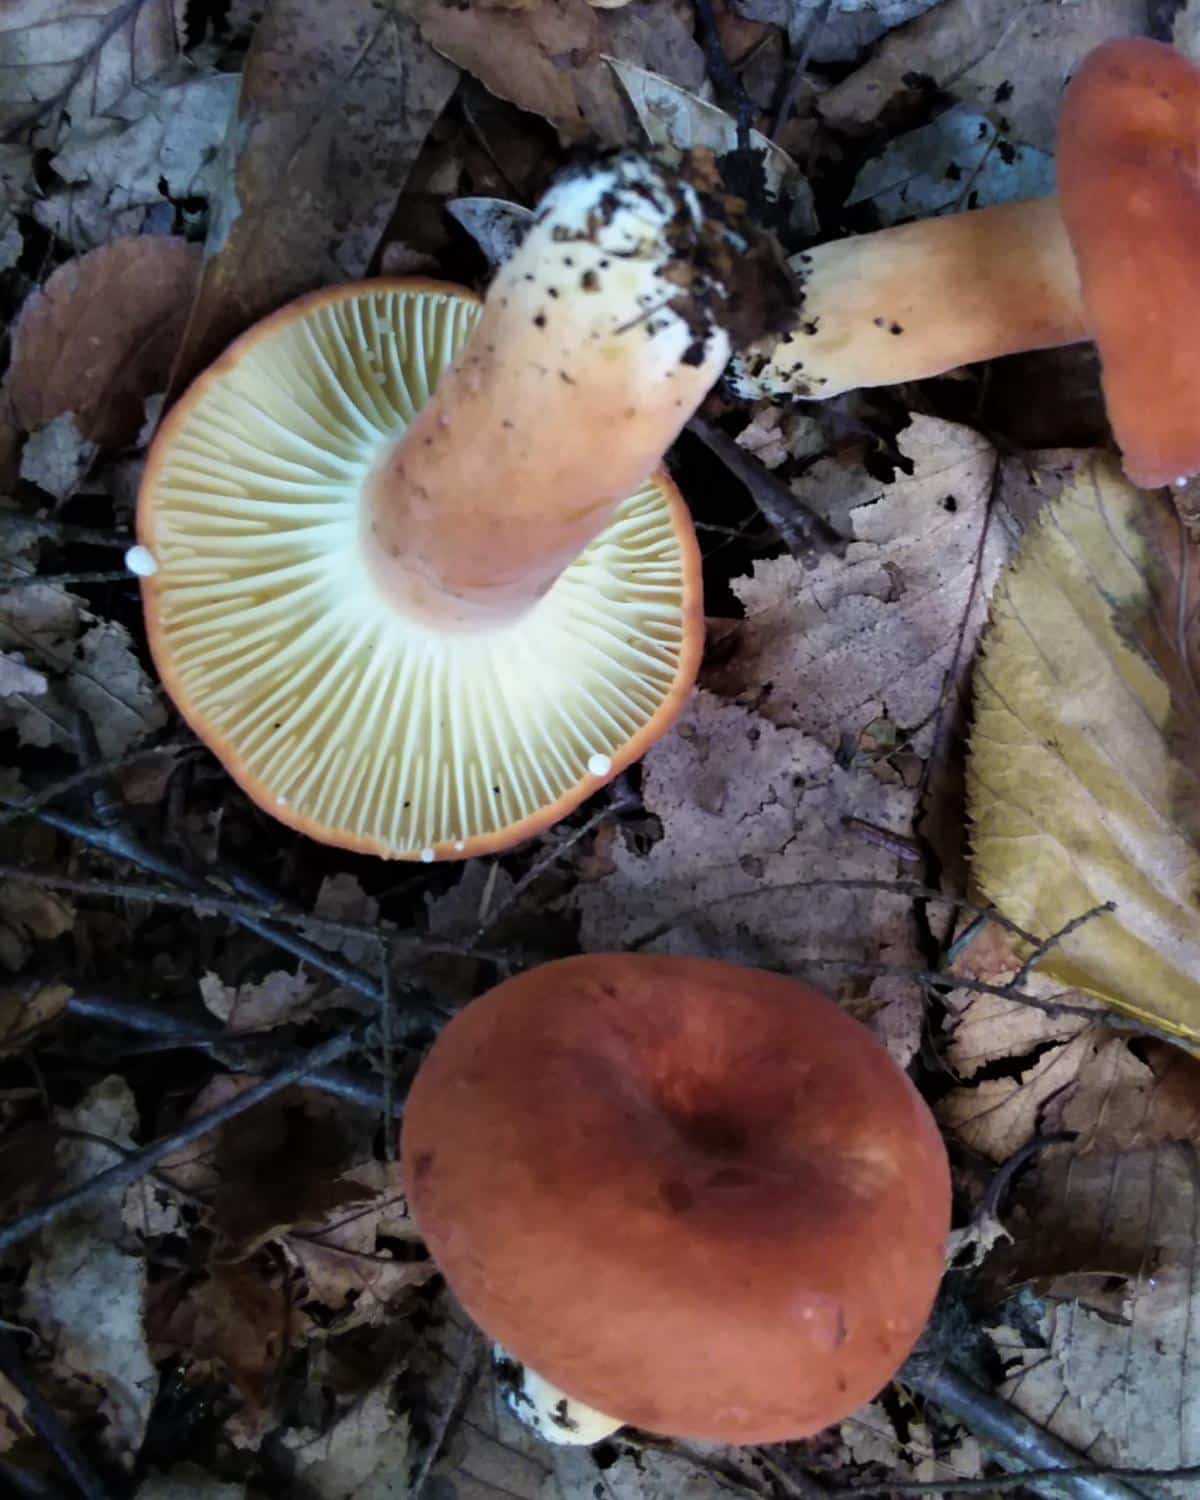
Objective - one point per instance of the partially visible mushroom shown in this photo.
(1129, 185)
(699, 1198)
(923, 298)
(1114, 257)
(410, 567)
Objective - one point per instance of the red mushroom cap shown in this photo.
(1129, 188)
(699, 1197)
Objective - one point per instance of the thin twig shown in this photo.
(624, 803)
(122, 575)
(387, 1061)
(37, 800)
(1003, 1176)
(45, 1421)
(802, 531)
(817, 23)
(895, 887)
(1010, 1434)
(1023, 1479)
(240, 1053)
(1056, 938)
(469, 1370)
(139, 1163)
(722, 73)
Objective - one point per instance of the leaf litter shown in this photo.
(169, 174)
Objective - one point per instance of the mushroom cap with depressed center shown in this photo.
(1128, 166)
(338, 713)
(698, 1197)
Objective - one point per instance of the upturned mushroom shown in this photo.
(410, 566)
(695, 1197)
(1113, 257)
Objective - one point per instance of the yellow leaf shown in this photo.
(1078, 790)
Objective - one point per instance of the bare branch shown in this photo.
(45, 1421)
(139, 1163)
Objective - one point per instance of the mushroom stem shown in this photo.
(596, 343)
(919, 299)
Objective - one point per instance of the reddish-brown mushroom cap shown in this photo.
(1129, 190)
(696, 1196)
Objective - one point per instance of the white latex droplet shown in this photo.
(599, 765)
(427, 856)
(141, 562)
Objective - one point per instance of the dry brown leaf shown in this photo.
(545, 59)
(78, 60)
(57, 457)
(335, 103)
(85, 1294)
(13, 1427)
(279, 999)
(187, 1482)
(874, 635)
(1076, 794)
(871, 1437)
(29, 914)
(18, 679)
(99, 337)
(1010, 60)
(346, 1261)
(110, 685)
(676, 121)
(126, 171)
(659, 35)
(342, 899)
(98, 674)
(274, 1166)
(363, 1455)
(1116, 1379)
(753, 861)
(26, 1008)
(757, 861)
(241, 1320)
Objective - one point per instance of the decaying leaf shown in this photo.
(873, 1436)
(1112, 1234)
(157, 146)
(99, 337)
(110, 685)
(16, 679)
(676, 121)
(26, 1008)
(187, 1482)
(778, 809)
(28, 914)
(545, 58)
(1075, 792)
(956, 162)
(279, 999)
(335, 103)
(347, 1258)
(873, 636)
(79, 59)
(57, 456)
(363, 1455)
(1009, 60)
(495, 225)
(85, 1294)
(95, 673)
(839, 32)
(239, 1320)
(273, 1167)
